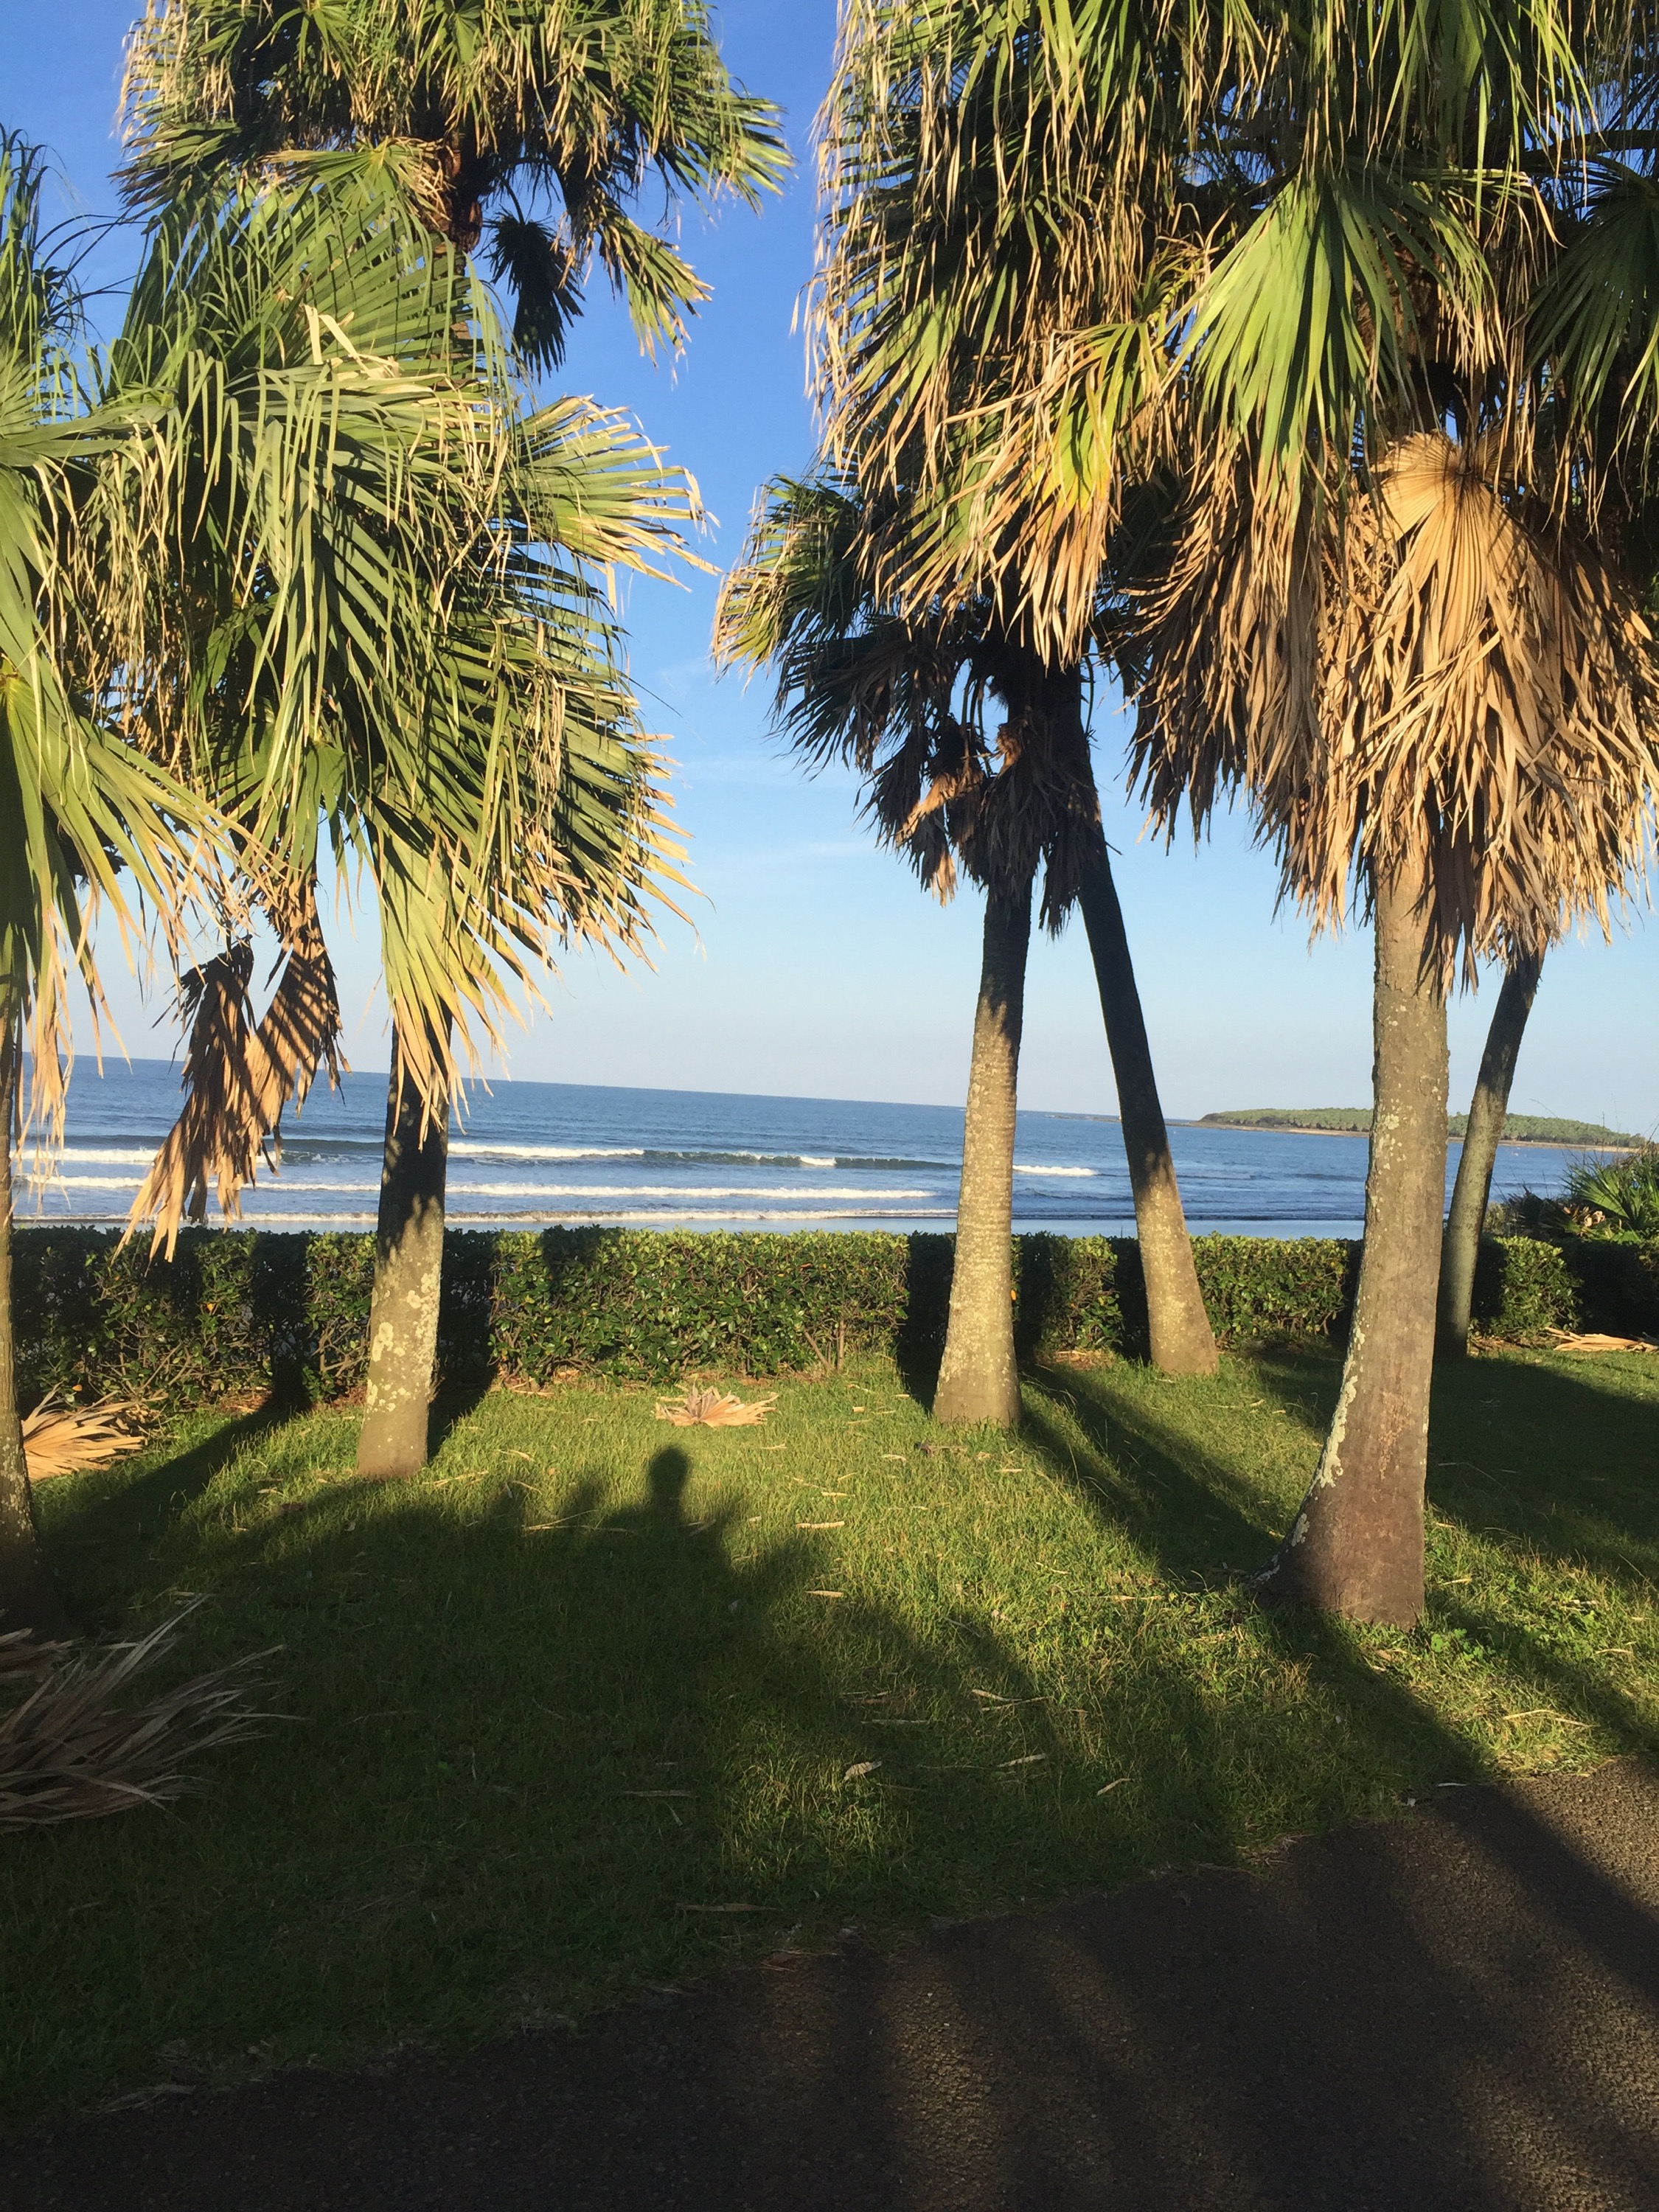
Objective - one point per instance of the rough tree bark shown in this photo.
(1473, 1188)
(979, 1376)
(1182, 1341)
(1356, 1545)
(409, 1252)
(28, 1596)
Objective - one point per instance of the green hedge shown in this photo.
(241, 1313)
(1523, 1288)
(1617, 1282)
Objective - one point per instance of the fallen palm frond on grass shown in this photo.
(60, 1439)
(1564, 1340)
(714, 1409)
(70, 1752)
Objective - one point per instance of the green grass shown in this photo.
(576, 1679)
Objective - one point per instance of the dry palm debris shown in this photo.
(1566, 1341)
(714, 1409)
(60, 1439)
(70, 1751)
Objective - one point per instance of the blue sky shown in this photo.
(817, 967)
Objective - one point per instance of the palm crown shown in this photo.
(383, 628)
(524, 129)
(906, 696)
(1305, 282)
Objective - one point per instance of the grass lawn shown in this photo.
(597, 1703)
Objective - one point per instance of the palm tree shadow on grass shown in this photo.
(1552, 1445)
(1191, 1514)
(120, 1507)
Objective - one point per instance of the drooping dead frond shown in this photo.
(1507, 718)
(1431, 679)
(61, 1439)
(714, 1409)
(240, 1078)
(71, 1751)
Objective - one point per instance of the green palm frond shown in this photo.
(577, 104)
(385, 623)
(1043, 222)
(1596, 320)
(85, 818)
(1307, 330)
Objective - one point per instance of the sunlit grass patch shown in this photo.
(597, 1701)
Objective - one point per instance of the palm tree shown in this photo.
(941, 290)
(1453, 693)
(905, 700)
(85, 820)
(521, 130)
(1466, 1220)
(1271, 261)
(1594, 323)
(386, 567)
(562, 115)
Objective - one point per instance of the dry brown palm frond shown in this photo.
(714, 1409)
(1509, 698)
(1432, 682)
(61, 1439)
(21, 1652)
(240, 1078)
(1564, 1340)
(70, 1751)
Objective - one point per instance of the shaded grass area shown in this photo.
(575, 1711)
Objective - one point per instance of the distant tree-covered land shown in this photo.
(1355, 1121)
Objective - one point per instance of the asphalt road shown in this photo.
(1459, 2008)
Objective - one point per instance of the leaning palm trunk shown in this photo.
(979, 1376)
(1356, 1545)
(408, 1253)
(1468, 1217)
(28, 1596)
(1182, 1342)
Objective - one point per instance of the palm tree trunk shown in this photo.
(1356, 1545)
(409, 1253)
(978, 1376)
(28, 1596)
(1182, 1341)
(1473, 1188)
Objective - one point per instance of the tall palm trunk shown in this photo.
(1182, 1341)
(409, 1253)
(1356, 1545)
(978, 1376)
(1473, 1188)
(28, 1596)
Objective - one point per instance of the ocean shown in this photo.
(524, 1155)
